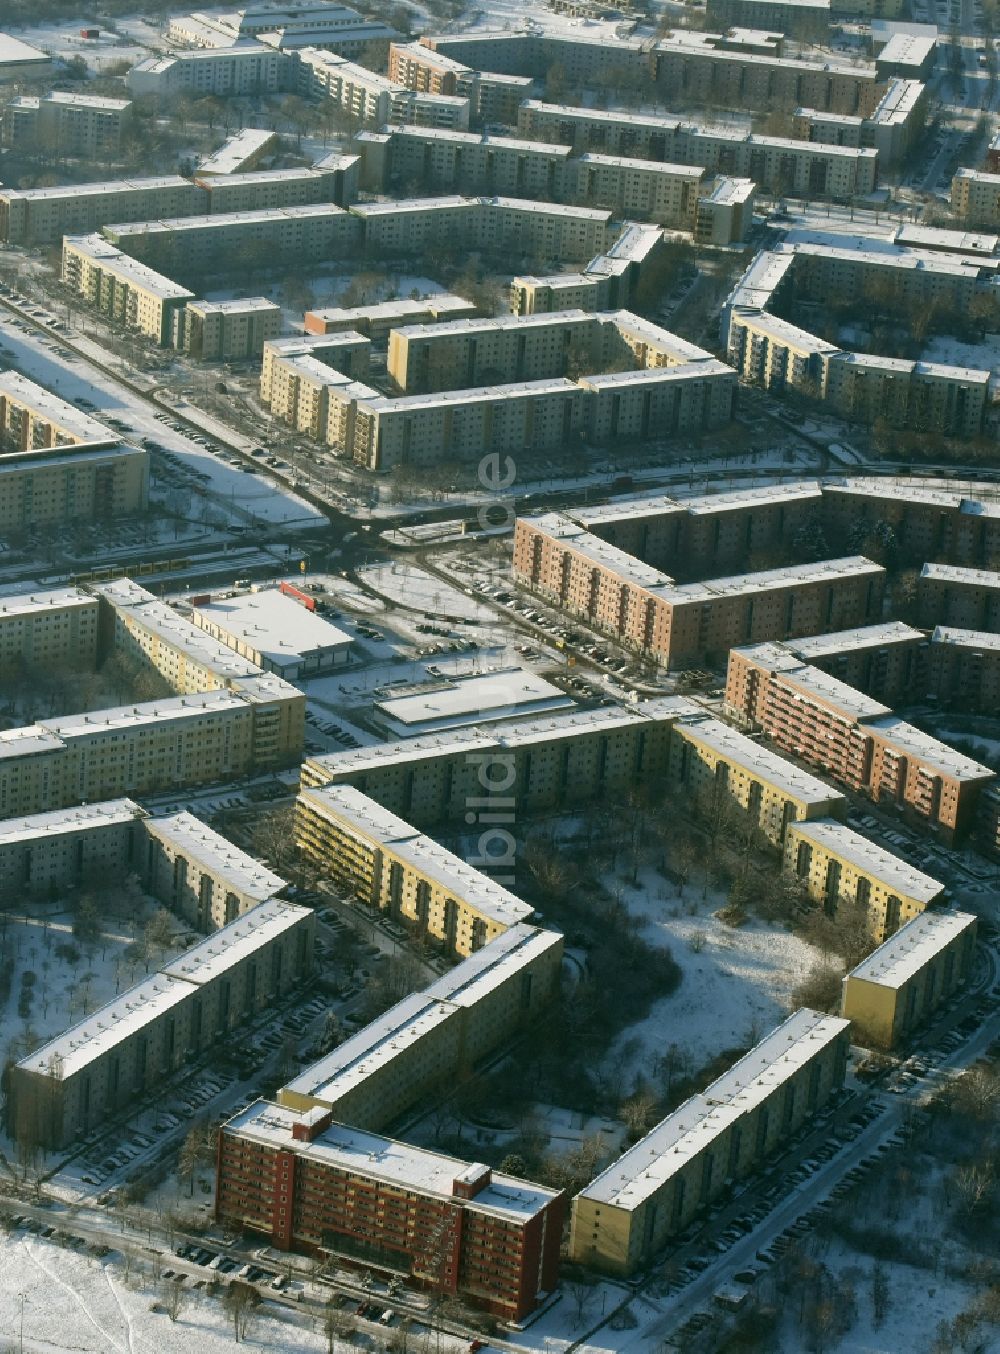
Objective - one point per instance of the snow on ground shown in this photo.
(80, 1305)
(415, 588)
(71, 979)
(737, 982)
(71, 378)
(324, 288)
(953, 352)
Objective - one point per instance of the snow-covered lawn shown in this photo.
(954, 353)
(71, 979)
(737, 982)
(415, 588)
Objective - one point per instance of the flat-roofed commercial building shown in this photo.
(898, 987)
(681, 623)
(129, 1047)
(713, 763)
(964, 669)
(275, 632)
(128, 291)
(835, 864)
(83, 483)
(241, 152)
(626, 1214)
(975, 198)
(48, 630)
(244, 69)
(57, 850)
(968, 599)
(202, 876)
(307, 234)
(435, 1037)
(310, 1184)
(66, 124)
(32, 216)
(442, 703)
(230, 331)
(389, 865)
(854, 738)
(377, 321)
(19, 59)
(546, 763)
(315, 21)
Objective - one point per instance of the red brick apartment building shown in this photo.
(968, 599)
(312, 1185)
(855, 739)
(676, 624)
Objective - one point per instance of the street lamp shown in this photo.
(21, 1339)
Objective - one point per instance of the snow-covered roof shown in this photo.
(396, 1164)
(922, 747)
(966, 639)
(79, 818)
(848, 641)
(904, 954)
(64, 417)
(870, 858)
(448, 702)
(956, 574)
(30, 603)
(237, 941)
(761, 764)
(272, 624)
(671, 1145)
(212, 852)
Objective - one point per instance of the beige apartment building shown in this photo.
(241, 152)
(269, 189)
(35, 216)
(975, 198)
(135, 1043)
(224, 72)
(539, 764)
(230, 331)
(777, 164)
(493, 97)
(67, 124)
(61, 849)
(199, 874)
(80, 483)
(769, 352)
(123, 289)
(32, 418)
(190, 660)
(307, 234)
(925, 396)
(651, 1193)
(497, 225)
(677, 624)
(390, 866)
(834, 864)
(300, 390)
(346, 352)
(721, 768)
(372, 98)
(49, 630)
(437, 1036)
(897, 989)
(148, 748)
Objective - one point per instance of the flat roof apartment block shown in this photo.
(305, 1181)
(622, 1218)
(897, 988)
(127, 1048)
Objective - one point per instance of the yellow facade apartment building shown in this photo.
(894, 991)
(389, 865)
(629, 1211)
(833, 863)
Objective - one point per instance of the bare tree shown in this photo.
(240, 1302)
(172, 1298)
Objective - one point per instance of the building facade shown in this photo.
(898, 987)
